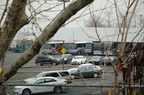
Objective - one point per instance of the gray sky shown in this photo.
(96, 5)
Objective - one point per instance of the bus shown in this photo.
(81, 48)
(76, 48)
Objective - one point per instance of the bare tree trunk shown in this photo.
(116, 82)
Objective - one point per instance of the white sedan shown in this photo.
(78, 60)
(49, 84)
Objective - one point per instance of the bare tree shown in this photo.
(109, 19)
(124, 55)
(92, 20)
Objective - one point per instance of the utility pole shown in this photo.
(141, 20)
(64, 1)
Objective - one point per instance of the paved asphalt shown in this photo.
(31, 69)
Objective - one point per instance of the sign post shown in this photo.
(63, 50)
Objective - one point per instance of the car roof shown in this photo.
(36, 78)
(86, 64)
(53, 71)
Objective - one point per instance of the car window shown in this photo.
(39, 81)
(81, 69)
(64, 73)
(51, 74)
(49, 80)
(89, 69)
(40, 57)
(49, 58)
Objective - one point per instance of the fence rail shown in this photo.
(16, 89)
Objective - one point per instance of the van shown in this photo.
(62, 74)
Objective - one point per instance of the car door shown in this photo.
(51, 82)
(81, 71)
(42, 89)
(38, 89)
(88, 71)
(48, 59)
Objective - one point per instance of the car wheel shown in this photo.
(57, 89)
(26, 92)
(95, 75)
(41, 64)
(53, 63)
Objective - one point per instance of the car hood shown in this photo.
(98, 67)
(72, 70)
(78, 60)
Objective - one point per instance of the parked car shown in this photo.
(86, 70)
(56, 86)
(108, 60)
(66, 58)
(62, 74)
(95, 60)
(45, 59)
(78, 60)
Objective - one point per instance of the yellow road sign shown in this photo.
(0, 70)
(63, 50)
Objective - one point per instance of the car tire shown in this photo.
(57, 89)
(26, 92)
(53, 63)
(41, 64)
(95, 75)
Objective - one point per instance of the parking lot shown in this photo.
(31, 70)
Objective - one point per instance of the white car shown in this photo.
(62, 74)
(78, 60)
(55, 86)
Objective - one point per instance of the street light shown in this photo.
(141, 20)
(64, 2)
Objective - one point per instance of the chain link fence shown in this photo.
(39, 89)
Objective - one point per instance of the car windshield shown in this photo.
(51, 57)
(65, 55)
(29, 81)
(39, 75)
(78, 57)
(42, 57)
(108, 58)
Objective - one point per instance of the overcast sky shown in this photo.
(96, 5)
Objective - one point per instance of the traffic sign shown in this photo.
(63, 50)
(1, 70)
